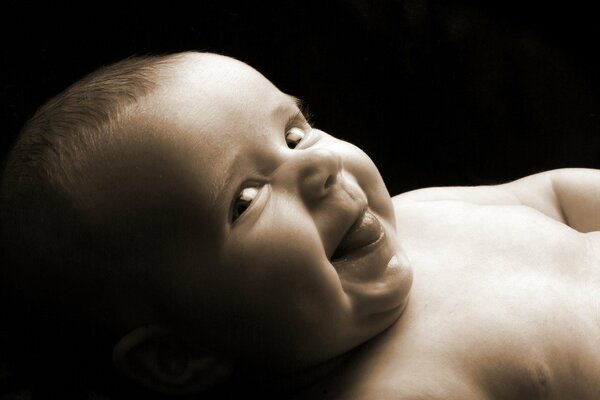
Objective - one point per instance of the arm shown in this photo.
(568, 195)
(571, 196)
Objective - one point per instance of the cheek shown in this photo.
(281, 249)
(286, 290)
(281, 260)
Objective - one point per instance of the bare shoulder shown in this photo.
(448, 208)
(467, 194)
(529, 189)
(570, 196)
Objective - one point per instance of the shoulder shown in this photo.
(446, 206)
(467, 194)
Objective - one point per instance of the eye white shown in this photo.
(248, 194)
(293, 136)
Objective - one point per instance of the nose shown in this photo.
(313, 171)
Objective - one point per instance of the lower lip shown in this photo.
(368, 261)
(361, 251)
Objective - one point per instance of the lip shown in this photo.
(368, 246)
(368, 262)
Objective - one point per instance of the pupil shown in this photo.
(293, 137)
(291, 143)
(241, 207)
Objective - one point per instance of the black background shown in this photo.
(437, 93)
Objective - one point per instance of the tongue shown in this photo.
(365, 231)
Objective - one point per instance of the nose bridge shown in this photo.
(311, 171)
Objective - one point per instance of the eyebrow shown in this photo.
(285, 106)
(298, 102)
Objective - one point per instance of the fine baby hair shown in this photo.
(174, 225)
(50, 256)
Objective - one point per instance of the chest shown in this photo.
(502, 297)
(501, 294)
(498, 242)
(508, 268)
(502, 306)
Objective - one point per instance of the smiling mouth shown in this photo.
(365, 231)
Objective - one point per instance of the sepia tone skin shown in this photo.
(466, 293)
(261, 288)
(504, 303)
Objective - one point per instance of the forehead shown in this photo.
(208, 90)
(209, 100)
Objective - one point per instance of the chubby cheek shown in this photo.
(280, 255)
(280, 268)
(289, 305)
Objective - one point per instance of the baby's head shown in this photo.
(186, 205)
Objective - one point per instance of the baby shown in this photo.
(185, 206)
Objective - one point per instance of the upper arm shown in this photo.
(537, 191)
(568, 195)
(578, 194)
(469, 194)
(571, 196)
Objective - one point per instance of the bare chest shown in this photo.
(499, 242)
(504, 304)
(504, 293)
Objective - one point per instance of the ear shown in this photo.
(156, 358)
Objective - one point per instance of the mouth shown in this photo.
(365, 232)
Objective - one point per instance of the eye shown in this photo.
(243, 201)
(293, 136)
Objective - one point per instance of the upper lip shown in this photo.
(357, 195)
(350, 227)
(360, 206)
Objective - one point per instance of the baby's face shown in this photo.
(295, 258)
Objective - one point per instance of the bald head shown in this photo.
(79, 191)
(103, 201)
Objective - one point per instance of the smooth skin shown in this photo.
(505, 298)
(471, 293)
(253, 279)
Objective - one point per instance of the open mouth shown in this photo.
(366, 230)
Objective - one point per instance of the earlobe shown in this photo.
(156, 358)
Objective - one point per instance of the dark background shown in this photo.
(436, 92)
